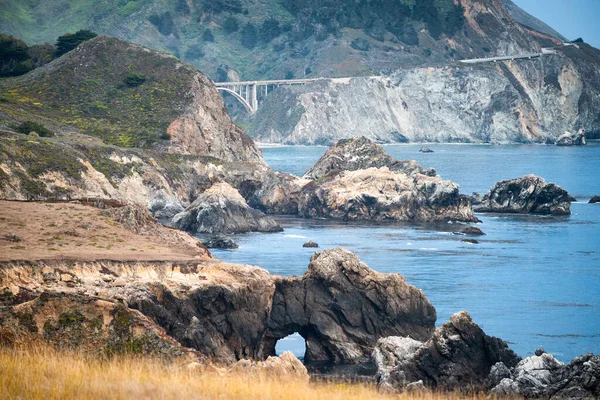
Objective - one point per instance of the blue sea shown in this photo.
(533, 281)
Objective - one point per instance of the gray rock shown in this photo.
(594, 200)
(472, 241)
(388, 354)
(472, 230)
(221, 242)
(425, 149)
(498, 372)
(310, 244)
(571, 139)
(529, 194)
(539, 351)
(221, 209)
(458, 356)
(342, 308)
(360, 153)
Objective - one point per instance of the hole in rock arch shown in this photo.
(293, 343)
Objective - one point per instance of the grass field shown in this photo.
(41, 373)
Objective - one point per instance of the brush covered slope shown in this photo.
(128, 96)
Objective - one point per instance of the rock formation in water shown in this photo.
(221, 242)
(378, 194)
(360, 153)
(357, 180)
(571, 139)
(341, 307)
(472, 230)
(221, 209)
(594, 200)
(529, 194)
(459, 356)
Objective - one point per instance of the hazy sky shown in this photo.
(571, 18)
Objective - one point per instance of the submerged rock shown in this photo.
(221, 209)
(572, 139)
(472, 230)
(529, 194)
(459, 356)
(472, 241)
(310, 244)
(221, 242)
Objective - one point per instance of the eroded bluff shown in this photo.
(230, 312)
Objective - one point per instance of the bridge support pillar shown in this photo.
(254, 102)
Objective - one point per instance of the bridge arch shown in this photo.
(240, 99)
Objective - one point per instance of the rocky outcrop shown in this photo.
(221, 242)
(379, 194)
(459, 356)
(529, 194)
(425, 149)
(542, 376)
(472, 230)
(286, 366)
(221, 209)
(594, 200)
(571, 139)
(229, 312)
(341, 307)
(360, 153)
(87, 324)
(310, 244)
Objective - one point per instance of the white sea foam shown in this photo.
(295, 236)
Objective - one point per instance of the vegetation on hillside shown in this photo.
(257, 40)
(126, 96)
(43, 373)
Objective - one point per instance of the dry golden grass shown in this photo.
(47, 374)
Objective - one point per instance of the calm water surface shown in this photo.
(533, 280)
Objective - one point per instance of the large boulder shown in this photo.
(571, 139)
(529, 194)
(360, 153)
(221, 209)
(458, 356)
(380, 194)
(542, 376)
(341, 307)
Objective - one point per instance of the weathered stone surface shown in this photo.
(285, 366)
(459, 355)
(231, 312)
(379, 194)
(360, 153)
(388, 354)
(221, 209)
(341, 307)
(571, 139)
(529, 194)
(542, 376)
(221, 242)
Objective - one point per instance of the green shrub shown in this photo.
(249, 36)
(69, 41)
(30, 126)
(208, 36)
(231, 25)
(360, 44)
(133, 79)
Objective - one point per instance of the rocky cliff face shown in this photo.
(518, 101)
(229, 312)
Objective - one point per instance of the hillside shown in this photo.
(277, 38)
(129, 96)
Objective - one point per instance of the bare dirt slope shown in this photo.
(34, 231)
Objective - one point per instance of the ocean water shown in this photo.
(532, 281)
